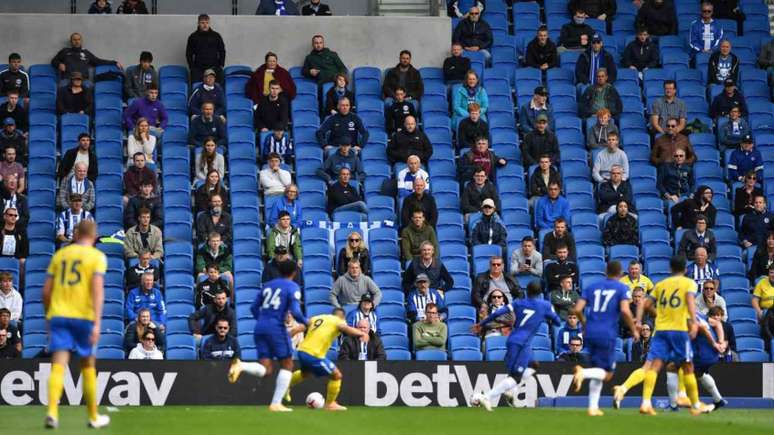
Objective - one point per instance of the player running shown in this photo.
(529, 314)
(312, 352)
(272, 340)
(73, 296)
(674, 298)
(608, 300)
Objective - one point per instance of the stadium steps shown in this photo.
(420, 8)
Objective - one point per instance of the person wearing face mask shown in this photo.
(576, 35)
(216, 220)
(658, 16)
(208, 91)
(277, 8)
(258, 85)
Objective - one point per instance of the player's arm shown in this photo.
(47, 287)
(295, 311)
(476, 328)
(690, 302)
(98, 299)
(580, 304)
(354, 332)
(718, 327)
(647, 304)
(626, 313)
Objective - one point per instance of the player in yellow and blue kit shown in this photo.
(73, 296)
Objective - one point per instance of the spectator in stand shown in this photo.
(594, 59)
(12, 138)
(146, 296)
(611, 156)
(756, 224)
(137, 78)
(745, 160)
(406, 176)
(728, 99)
(766, 58)
(258, 85)
(642, 53)
(723, 65)
(527, 261)
(539, 142)
(398, 111)
(344, 123)
(141, 141)
(215, 220)
(207, 125)
(271, 271)
(409, 141)
(428, 263)
(635, 279)
(414, 236)
(456, 66)
(209, 159)
(143, 237)
(419, 199)
(354, 250)
(222, 345)
(575, 354)
(676, 179)
(489, 230)
(12, 109)
(541, 177)
(77, 59)
(431, 333)
(700, 236)
(541, 51)
(469, 92)
(572, 328)
(148, 108)
(15, 241)
(211, 186)
(136, 175)
(478, 190)
(474, 33)
(205, 50)
(537, 105)
(273, 179)
(558, 236)
(289, 203)
(74, 98)
(322, 64)
(134, 273)
(481, 157)
(11, 198)
(709, 298)
(342, 196)
(356, 349)
(551, 207)
(102, 7)
(502, 325)
(207, 92)
(596, 136)
(145, 198)
(215, 252)
(666, 108)
(403, 75)
(745, 194)
(9, 167)
(10, 298)
(422, 296)
(344, 157)
(209, 289)
(603, 10)
(14, 78)
(76, 183)
(728, 10)
(352, 286)
(622, 228)
(279, 142)
(316, 8)
(285, 234)
(731, 132)
(273, 109)
(472, 128)
(339, 90)
(133, 7)
(641, 347)
(704, 34)
(576, 35)
(666, 145)
(495, 279)
(763, 295)
(454, 11)
(277, 7)
(686, 214)
(602, 95)
(637, 298)
(147, 348)
(135, 329)
(7, 350)
(561, 267)
(701, 269)
(69, 219)
(12, 330)
(658, 17)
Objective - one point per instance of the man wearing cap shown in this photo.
(271, 271)
(745, 159)
(722, 64)
(208, 91)
(551, 207)
(415, 234)
(537, 105)
(150, 108)
(495, 279)
(364, 311)
(489, 230)
(74, 98)
(422, 295)
(343, 123)
(728, 99)
(84, 152)
(540, 141)
(345, 156)
(602, 95)
(69, 219)
(594, 58)
(350, 287)
(76, 183)
(205, 50)
(77, 59)
(138, 77)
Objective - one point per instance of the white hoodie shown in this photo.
(140, 353)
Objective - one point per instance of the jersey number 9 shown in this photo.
(674, 300)
(70, 276)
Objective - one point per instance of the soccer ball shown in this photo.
(315, 400)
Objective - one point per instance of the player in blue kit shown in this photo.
(529, 314)
(707, 347)
(272, 340)
(600, 306)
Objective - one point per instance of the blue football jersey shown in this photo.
(703, 351)
(529, 314)
(270, 307)
(603, 307)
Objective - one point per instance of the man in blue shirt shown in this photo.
(745, 159)
(550, 207)
(529, 314)
(607, 301)
(146, 296)
(705, 33)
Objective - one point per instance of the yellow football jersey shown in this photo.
(323, 329)
(71, 270)
(643, 281)
(670, 297)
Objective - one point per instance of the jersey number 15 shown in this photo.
(72, 275)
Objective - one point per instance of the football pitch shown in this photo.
(234, 420)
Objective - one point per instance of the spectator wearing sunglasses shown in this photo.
(222, 345)
(495, 279)
(356, 250)
(705, 34)
(710, 298)
(146, 348)
(675, 179)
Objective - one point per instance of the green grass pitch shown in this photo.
(235, 420)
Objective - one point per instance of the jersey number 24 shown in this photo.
(271, 298)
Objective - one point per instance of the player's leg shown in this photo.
(260, 369)
(692, 389)
(619, 391)
(673, 380)
(517, 360)
(89, 376)
(510, 395)
(682, 397)
(297, 377)
(59, 361)
(602, 365)
(708, 382)
(333, 389)
(649, 384)
(282, 383)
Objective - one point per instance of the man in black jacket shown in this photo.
(316, 8)
(85, 149)
(658, 16)
(399, 110)
(409, 141)
(144, 199)
(642, 53)
(541, 51)
(207, 290)
(456, 65)
(474, 33)
(489, 230)
(576, 35)
(202, 322)
(562, 266)
(477, 191)
(77, 59)
(594, 59)
(403, 75)
(613, 190)
(538, 142)
(493, 278)
(427, 263)
(419, 199)
(354, 349)
(205, 50)
(601, 91)
(343, 197)
(600, 9)
(727, 100)
(472, 128)
(723, 64)
(273, 109)
(559, 236)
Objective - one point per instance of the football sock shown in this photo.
(681, 383)
(672, 381)
(254, 368)
(504, 385)
(527, 374)
(594, 373)
(55, 388)
(648, 384)
(708, 382)
(692, 388)
(283, 381)
(595, 389)
(634, 379)
(90, 391)
(296, 378)
(334, 387)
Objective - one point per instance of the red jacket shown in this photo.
(254, 86)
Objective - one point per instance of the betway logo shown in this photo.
(18, 387)
(420, 389)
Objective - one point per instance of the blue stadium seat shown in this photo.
(431, 355)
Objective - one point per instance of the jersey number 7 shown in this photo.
(527, 314)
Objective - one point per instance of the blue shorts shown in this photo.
(71, 335)
(671, 346)
(273, 346)
(517, 359)
(314, 365)
(602, 352)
